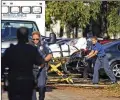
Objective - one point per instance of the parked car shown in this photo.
(67, 47)
(104, 41)
(112, 50)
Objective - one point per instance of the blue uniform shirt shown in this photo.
(99, 48)
(44, 49)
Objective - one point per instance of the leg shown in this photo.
(42, 84)
(90, 66)
(108, 70)
(96, 69)
(20, 89)
(35, 72)
(85, 73)
(34, 97)
(86, 70)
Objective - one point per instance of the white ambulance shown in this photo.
(16, 13)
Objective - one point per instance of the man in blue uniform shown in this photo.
(20, 59)
(42, 74)
(101, 61)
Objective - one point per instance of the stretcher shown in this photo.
(55, 64)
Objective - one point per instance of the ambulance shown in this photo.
(19, 13)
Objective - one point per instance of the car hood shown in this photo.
(6, 44)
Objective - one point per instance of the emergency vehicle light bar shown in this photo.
(22, 9)
(26, 10)
(36, 10)
(15, 9)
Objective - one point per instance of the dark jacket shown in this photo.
(20, 59)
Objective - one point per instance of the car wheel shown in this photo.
(116, 69)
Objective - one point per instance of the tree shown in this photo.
(113, 18)
(73, 14)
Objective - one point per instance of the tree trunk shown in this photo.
(76, 32)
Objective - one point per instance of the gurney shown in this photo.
(62, 56)
(54, 65)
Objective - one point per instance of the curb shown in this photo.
(81, 85)
(87, 85)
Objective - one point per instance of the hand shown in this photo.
(86, 57)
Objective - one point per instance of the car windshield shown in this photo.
(9, 28)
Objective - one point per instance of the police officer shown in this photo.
(42, 75)
(20, 59)
(101, 60)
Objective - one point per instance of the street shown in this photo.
(75, 93)
(69, 48)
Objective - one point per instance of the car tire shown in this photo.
(115, 66)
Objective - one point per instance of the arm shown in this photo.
(48, 52)
(96, 49)
(92, 54)
(48, 57)
(39, 61)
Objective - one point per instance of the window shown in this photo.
(9, 28)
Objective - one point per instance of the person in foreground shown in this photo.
(41, 76)
(101, 61)
(20, 59)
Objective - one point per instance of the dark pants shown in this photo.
(20, 89)
(41, 84)
(102, 62)
(88, 69)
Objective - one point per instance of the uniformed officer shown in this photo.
(47, 55)
(20, 59)
(101, 61)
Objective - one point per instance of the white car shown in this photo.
(68, 48)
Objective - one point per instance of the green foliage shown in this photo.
(95, 9)
(113, 18)
(54, 8)
(74, 13)
(77, 14)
